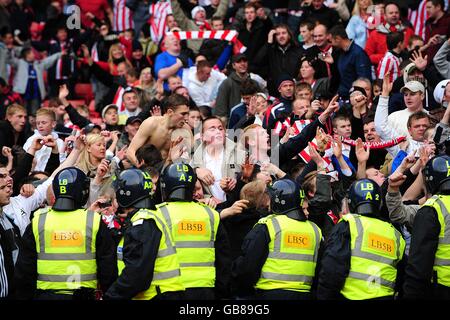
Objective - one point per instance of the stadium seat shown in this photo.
(84, 91)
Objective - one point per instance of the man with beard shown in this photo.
(280, 55)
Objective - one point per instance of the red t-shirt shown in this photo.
(96, 7)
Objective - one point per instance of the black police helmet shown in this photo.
(437, 174)
(364, 197)
(134, 189)
(71, 189)
(178, 182)
(285, 196)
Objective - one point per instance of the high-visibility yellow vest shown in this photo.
(166, 274)
(65, 246)
(293, 253)
(376, 249)
(442, 260)
(194, 229)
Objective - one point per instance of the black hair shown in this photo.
(4, 31)
(25, 51)
(248, 87)
(438, 3)
(150, 155)
(393, 39)
(176, 100)
(338, 31)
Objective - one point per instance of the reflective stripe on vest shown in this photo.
(372, 272)
(166, 275)
(66, 258)
(195, 250)
(297, 261)
(442, 257)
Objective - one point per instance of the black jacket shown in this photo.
(140, 250)
(113, 82)
(274, 61)
(296, 144)
(238, 227)
(7, 137)
(247, 268)
(254, 39)
(10, 241)
(322, 208)
(335, 264)
(422, 252)
(26, 268)
(324, 15)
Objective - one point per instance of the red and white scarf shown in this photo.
(226, 35)
(118, 101)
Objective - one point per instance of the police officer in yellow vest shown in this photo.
(201, 240)
(147, 261)
(68, 251)
(364, 254)
(428, 269)
(281, 253)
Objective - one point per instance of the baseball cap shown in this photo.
(132, 120)
(413, 86)
(439, 91)
(91, 126)
(358, 89)
(109, 106)
(407, 70)
(197, 9)
(238, 57)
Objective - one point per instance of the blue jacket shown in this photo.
(352, 64)
(237, 113)
(357, 30)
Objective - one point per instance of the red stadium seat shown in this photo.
(84, 91)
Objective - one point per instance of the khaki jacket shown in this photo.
(234, 157)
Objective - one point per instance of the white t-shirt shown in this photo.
(43, 154)
(215, 166)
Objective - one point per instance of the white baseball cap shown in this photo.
(439, 91)
(413, 86)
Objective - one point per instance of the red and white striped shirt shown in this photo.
(389, 63)
(158, 15)
(59, 64)
(118, 101)
(418, 18)
(123, 17)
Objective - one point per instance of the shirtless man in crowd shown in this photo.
(159, 130)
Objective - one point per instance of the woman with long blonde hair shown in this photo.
(92, 162)
(358, 28)
(93, 154)
(116, 55)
